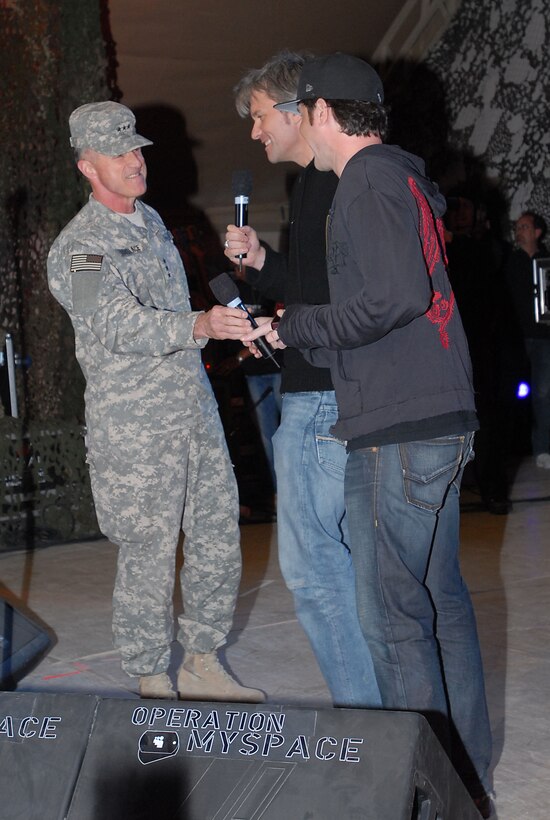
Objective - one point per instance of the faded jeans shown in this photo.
(313, 553)
(414, 607)
(265, 394)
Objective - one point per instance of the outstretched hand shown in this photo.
(221, 323)
(267, 327)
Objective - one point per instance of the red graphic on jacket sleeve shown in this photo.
(433, 244)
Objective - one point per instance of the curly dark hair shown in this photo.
(357, 118)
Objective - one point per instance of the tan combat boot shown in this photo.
(156, 686)
(202, 677)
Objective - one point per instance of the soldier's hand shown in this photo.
(221, 323)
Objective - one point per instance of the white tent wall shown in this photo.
(188, 55)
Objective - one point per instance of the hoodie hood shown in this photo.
(392, 166)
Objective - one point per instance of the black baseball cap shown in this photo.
(336, 77)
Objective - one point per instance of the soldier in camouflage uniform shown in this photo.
(156, 449)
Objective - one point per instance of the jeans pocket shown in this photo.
(331, 452)
(429, 468)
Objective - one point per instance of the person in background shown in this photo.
(310, 461)
(475, 270)
(529, 233)
(263, 383)
(155, 445)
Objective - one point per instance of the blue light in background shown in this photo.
(523, 390)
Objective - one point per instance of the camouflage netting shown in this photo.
(53, 57)
(493, 63)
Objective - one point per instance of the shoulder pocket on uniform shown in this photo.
(85, 287)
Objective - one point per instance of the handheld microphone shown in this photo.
(241, 184)
(226, 291)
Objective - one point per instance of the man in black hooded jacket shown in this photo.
(401, 370)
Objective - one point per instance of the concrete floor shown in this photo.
(506, 562)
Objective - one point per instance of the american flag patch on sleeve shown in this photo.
(86, 261)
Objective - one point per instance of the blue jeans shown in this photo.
(414, 607)
(538, 351)
(313, 554)
(265, 393)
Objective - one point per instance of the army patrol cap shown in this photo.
(106, 127)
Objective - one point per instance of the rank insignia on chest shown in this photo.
(130, 251)
(86, 261)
